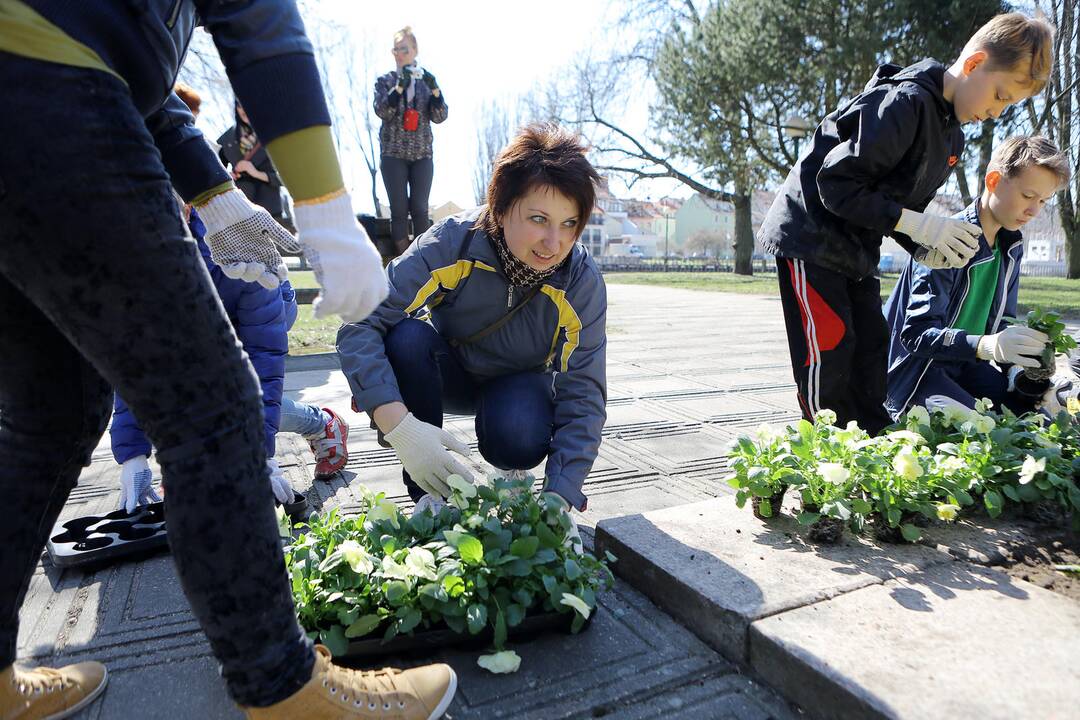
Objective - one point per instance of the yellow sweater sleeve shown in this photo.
(308, 163)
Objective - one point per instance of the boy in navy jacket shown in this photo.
(872, 168)
(949, 324)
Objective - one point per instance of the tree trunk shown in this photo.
(744, 234)
(1070, 225)
(986, 149)
(962, 183)
(374, 194)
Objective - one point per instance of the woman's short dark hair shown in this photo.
(540, 155)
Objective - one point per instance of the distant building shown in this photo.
(445, 210)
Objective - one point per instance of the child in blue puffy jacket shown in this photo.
(261, 319)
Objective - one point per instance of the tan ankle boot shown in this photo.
(337, 693)
(47, 694)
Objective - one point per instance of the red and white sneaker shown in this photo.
(331, 453)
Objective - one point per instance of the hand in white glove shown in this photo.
(136, 484)
(955, 240)
(279, 483)
(242, 236)
(424, 451)
(557, 503)
(346, 263)
(1015, 345)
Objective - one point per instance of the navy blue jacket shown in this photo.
(890, 148)
(925, 303)
(262, 44)
(260, 318)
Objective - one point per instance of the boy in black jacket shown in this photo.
(872, 168)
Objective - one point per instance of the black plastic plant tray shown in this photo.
(105, 538)
(431, 640)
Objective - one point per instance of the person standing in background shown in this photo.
(250, 166)
(407, 100)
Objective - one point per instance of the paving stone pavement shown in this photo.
(687, 371)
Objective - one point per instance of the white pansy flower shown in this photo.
(573, 601)
(825, 417)
(506, 661)
(947, 511)
(1031, 468)
(764, 433)
(356, 556)
(983, 404)
(908, 435)
(421, 562)
(907, 465)
(834, 473)
(918, 415)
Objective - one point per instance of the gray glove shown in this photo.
(283, 491)
(1015, 345)
(243, 239)
(424, 451)
(955, 240)
(136, 484)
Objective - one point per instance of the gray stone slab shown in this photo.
(717, 568)
(956, 641)
(980, 539)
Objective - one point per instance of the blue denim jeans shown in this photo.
(300, 418)
(968, 382)
(100, 288)
(514, 413)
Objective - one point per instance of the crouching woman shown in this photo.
(496, 312)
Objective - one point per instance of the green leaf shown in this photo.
(910, 532)
(893, 516)
(514, 614)
(334, 640)
(396, 592)
(476, 617)
(525, 547)
(573, 570)
(808, 518)
(546, 536)
(1010, 492)
(453, 585)
(861, 506)
(500, 630)
(409, 621)
(470, 549)
(363, 625)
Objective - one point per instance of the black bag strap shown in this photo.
(458, 342)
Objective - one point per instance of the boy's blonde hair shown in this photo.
(1011, 40)
(1016, 154)
(405, 33)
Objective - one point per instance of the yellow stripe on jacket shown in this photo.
(445, 278)
(568, 321)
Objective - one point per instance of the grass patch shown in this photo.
(1056, 294)
(310, 334)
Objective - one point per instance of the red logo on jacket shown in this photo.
(953, 160)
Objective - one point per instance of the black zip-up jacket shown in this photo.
(891, 147)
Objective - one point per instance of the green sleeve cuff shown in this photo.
(204, 197)
(307, 162)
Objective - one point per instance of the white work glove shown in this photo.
(279, 483)
(242, 236)
(558, 503)
(1015, 345)
(955, 240)
(346, 264)
(424, 451)
(136, 484)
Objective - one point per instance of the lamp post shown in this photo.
(797, 127)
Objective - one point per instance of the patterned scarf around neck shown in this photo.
(519, 272)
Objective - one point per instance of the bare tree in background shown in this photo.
(1056, 114)
(492, 135)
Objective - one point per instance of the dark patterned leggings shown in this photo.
(99, 289)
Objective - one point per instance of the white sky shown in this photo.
(479, 50)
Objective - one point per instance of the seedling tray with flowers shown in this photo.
(494, 563)
(930, 467)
